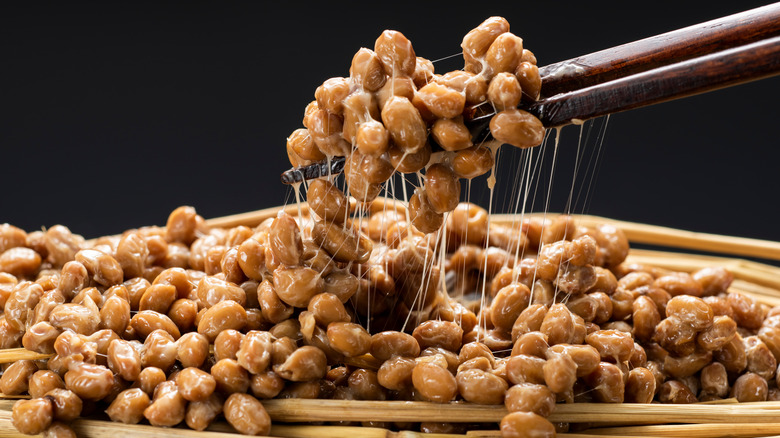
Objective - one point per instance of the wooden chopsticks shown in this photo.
(657, 51)
(716, 54)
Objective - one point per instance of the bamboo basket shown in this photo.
(726, 418)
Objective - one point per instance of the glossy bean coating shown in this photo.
(482, 387)
(247, 415)
(530, 397)
(640, 386)
(525, 424)
(32, 417)
(254, 353)
(89, 381)
(67, 405)
(128, 407)
(222, 316)
(15, 379)
(348, 338)
(750, 387)
(434, 383)
(304, 364)
(388, 344)
(168, 407)
(714, 379)
(124, 359)
(43, 381)
(230, 376)
(195, 384)
(201, 413)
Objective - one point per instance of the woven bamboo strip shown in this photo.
(9, 355)
(304, 410)
(692, 430)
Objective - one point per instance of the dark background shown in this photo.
(115, 113)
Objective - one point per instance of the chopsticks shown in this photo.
(720, 53)
(661, 50)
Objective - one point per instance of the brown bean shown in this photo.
(61, 245)
(396, 53)
(424, 217)
(409, 162)
(434, 383)
(732, 355)
(558, 325)
(645, 317)
(255, 351)
(343, 244)
(32, 417)
(43, 381)
(504, 92)
(747, 313)
(40, 337)
(89, 381)
(325, 129)
(714, 379)
(713, 280)
(691, 310)
(684, 366)
(16, 377)
(524, 368)
(442, 187)
(168, 407)
(331, 94)
(530, 320)
(444, 334)
(523, 424)
(195, 384)
(213, 289)
(478, 386)
(607, 383)
(640, 386)
(349, 339)
(21, 303)
(560, 373)
(247, 415)
(304, 364)
(396, 373)
(20, 261)
(388, 344)
(477, 42)
(124, 359)
(451, 134)
(201, 413)
(285, 239)
(530, 80)
(102, 267)
(128, 407)
(192, 349)
(404, 124)
(505, 53)
(230, 376)
(149, 378)
(750, 387)
(517, 128)
(159, 350)
(612, 344)
(266, 385)
(147, 321)
(472, 162)
(530, 397)
(442, 101)
(759, 358)
(222, 316)
(183, 313)
(364, 385)
(367, 70)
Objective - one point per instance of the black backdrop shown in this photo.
(115, 113)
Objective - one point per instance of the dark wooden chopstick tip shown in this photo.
(313, 171)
